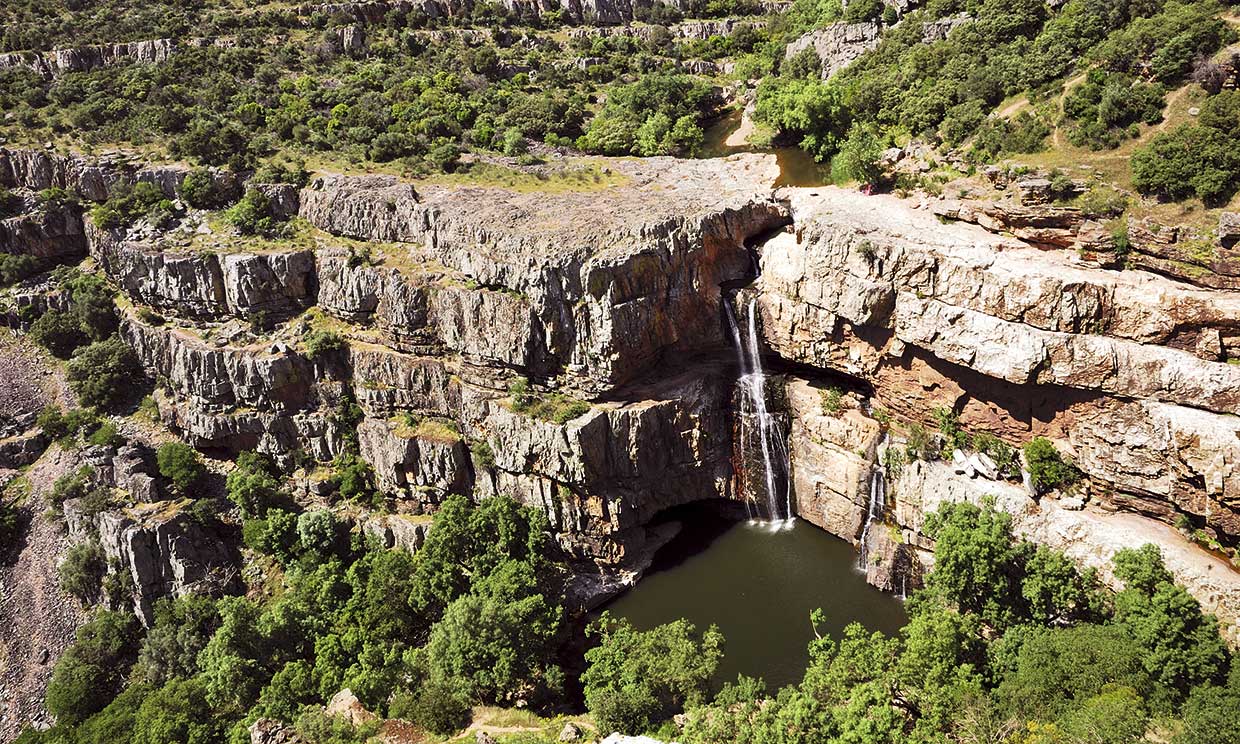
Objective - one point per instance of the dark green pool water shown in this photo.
(759, 586)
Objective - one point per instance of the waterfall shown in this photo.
(878, 502)
(752, 385)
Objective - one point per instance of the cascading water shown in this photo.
(878, 502)
(754, 415)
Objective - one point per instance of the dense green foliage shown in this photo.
(637, 679)
(127, 204)
(180, 464)
(1047, 468)
(475, 616)
(1004, 639)
(658, 115)
(103, 373)
(1106, 107)
(1195, 159)
(89, 314)
(93, 670)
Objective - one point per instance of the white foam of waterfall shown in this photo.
(878, 502)
(753, 408)
(740, 352)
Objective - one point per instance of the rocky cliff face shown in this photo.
(586, 294)
(1118, 366)
(836, 44)
(608, 300)
(1124, 371)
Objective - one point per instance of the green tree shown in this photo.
(637, 679)
(103, 373)
(176, 713)
(90, 674)
(496, 641)
(252, 215)
(180, 464)
(1182, 648)
(252, 486)
(1211, 714)
(81, 572)
(977, 562)
(180, 632)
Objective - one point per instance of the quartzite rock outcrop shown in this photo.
(610, 293)
(583, 292)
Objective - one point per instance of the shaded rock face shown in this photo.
(161, 549)
(1116, 365)
(836, 44)
(585, 294)
(49, 234)
(206, 285)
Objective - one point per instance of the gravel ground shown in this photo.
(29, 378)
(37, 620)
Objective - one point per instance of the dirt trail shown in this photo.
(37, 620)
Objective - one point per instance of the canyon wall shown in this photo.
(1124, 371)
(567, 346)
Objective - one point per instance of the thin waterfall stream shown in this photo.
(878, 503)
(756, 421)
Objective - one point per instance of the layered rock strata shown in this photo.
(1124, 369)
(584, 293)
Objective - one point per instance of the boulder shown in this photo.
(1229, 227)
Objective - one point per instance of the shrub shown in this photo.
(81, 572)
(71, 486)
(65, 427)
(954, 437)
(252, 486)
(356, 478)
(294, 173)
(1103, 201)
(180, 464)
(1047, 468)
(438, 706)
(106, 435)
(199, 189)
(252, 215)
(93, 670)
(10, 525)
(832, 400)
(320, 342)
(58, 332)
(1003, 454)
(127, 204)
(636, 679)
(316, 530)
(482, 455)
(14, 268)
(103, 373)
(921, 444)
(1190, 160)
